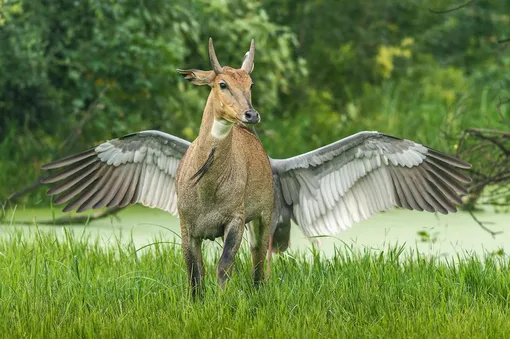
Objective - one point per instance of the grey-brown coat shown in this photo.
(226, 177)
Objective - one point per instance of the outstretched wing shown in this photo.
(350, 180)
(139, 167)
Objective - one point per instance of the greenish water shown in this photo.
(448, 235)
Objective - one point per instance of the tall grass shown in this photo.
(57, 287)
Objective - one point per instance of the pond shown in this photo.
(443, 235)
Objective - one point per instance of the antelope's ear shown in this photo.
(197, 77)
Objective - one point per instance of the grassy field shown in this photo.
(57, 287)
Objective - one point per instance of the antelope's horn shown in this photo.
(248, 61)
(214, 60)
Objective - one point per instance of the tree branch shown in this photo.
(482, 225)
(70, 140)
(493, 131)
(452, 9)
(23, 191)
(67, 220)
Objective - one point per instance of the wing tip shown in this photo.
(73, 158)
(46, 167)
(44, 180)
(68, 208)
(450, 159)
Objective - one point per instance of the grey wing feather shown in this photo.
(139, 167)
(332, 187)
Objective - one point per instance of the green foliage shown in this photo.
(103, 69)
(77, 73)
(392, 66)
(63, 286)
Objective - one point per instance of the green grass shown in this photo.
(57, 287)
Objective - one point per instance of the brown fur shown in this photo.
(236, 188)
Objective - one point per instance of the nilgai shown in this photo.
(224, 179)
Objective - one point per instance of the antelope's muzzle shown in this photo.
(251, 116)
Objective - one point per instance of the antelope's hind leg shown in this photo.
(232, 241)
(192, 251)
(259, 243)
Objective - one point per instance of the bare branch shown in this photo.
(482, 225)
(484, 130)
(67, 220)
(12, 198)
(92, 107)
(489, 152)
(452, 9)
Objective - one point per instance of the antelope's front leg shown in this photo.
(232, 241)
(259, 238)
(192, 250)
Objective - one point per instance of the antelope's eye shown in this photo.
(251, 86)
(223, 85)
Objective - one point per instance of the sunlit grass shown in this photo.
(69, 286)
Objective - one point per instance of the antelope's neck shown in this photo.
(217, 129)
(221, 129)
(215, 134)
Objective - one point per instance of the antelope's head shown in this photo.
(230, 88)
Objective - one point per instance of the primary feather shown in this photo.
(139, 167)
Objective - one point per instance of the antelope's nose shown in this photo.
(251, 116)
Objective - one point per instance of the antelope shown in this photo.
(225, 180)
(225, 173)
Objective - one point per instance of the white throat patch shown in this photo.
(221, 128)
